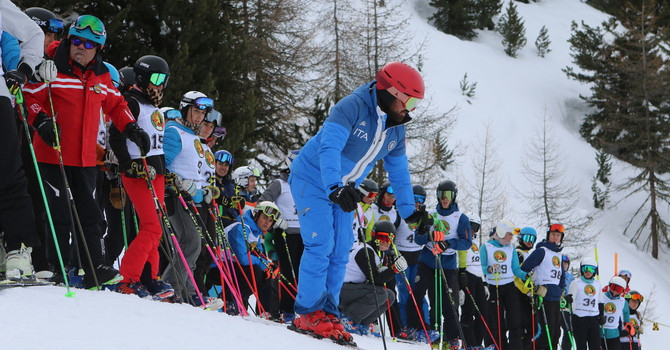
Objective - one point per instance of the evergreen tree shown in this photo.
(456, 17)
(601, 182)
(511, 27)
(485, 11)
(542, 42)
(630, 83)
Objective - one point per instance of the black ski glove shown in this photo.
(18, 76)
(568, 299)
(603, 318)
(423, 220)
(138, 136)
(46, 128)
(462, 278)
(346, 197)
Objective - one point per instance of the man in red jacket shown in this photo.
(81, 92)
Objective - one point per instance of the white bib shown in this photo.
(353, 272)
(103, 136)
(287, 206)
(209, 168)
(474, 264)
(151, 121)
(549, 271)
(450, 225)
(190, 161)
(404, 238)
(585, 300)
(503, 257)
(613, 311)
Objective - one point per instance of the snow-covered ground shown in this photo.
(512, 94)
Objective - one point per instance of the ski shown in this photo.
(349, 344)
(6, 284)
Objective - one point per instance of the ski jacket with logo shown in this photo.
(237, 233)
(554, 291)
(354, 136)
(80, 96)
(463, 240)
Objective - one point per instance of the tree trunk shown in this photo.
(654, 215)
(338, 81)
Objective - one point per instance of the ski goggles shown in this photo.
(87, 44)
(158, 78)
(408, 102)
(385, 237)
(528, 238)
(616, 288)
(52, 25)
(475, 227)
(369, 194)
(203, 103)
(274, 213)
(625, 273)
(225, 157)
(220, 131)
(635, 296)
(589, 268)
(389, 190)
(172, 114)
(419, 198)
(445, 195)
(91, 22)
(557, 227)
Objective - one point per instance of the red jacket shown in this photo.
(79, 99)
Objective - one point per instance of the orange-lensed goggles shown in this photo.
(635, 296)
(616, 288)
(384, 237)
(557, 227)
(408, 102)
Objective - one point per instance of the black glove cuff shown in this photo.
(25, 69)
(40, 119)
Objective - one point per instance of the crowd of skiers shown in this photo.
(97, 173)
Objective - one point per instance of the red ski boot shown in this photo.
(316, 322)
(338, 333)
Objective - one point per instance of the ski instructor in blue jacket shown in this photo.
(362, 128)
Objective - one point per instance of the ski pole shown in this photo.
(290, 260)
(74, 215)
(453, 304)
(388, 306)
(482, 317)
(416, 305)
(18, 94)
(372, 279)
(161, 212)
(567, 328)
(238, 299)
(546, 324)
(227, 262)
(281, 276)
(123, 211)
(253, 275)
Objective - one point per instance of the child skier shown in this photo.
(500, 265)
(615, 312)
(631, 331)
(583, 298)
(526, 242)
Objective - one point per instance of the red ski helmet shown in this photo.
(403, 82)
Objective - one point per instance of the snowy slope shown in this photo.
(512, 94)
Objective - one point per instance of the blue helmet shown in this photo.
(528, 234)
(89, 27)
(116, 78)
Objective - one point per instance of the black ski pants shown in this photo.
(613, 344)
(528, 330)
(439, 304)
(82, 181)
(504, 302)
(586, 332)
(471, 321)
(566, 325)
(16, 210)
(552, 309)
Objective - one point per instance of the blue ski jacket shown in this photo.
(463, 242)
(535, 258)
(237, 235)
(11, 51)
(354, 136)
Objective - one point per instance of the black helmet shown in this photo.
(127, 78)
(151, 69)
(447, 185)
(46, 19)
(367, 186)
(419, 190)
(383, 226)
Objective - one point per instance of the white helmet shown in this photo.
(616, 280)
(196, 98)
(503, 227)
(241, 175)
(588, 261)
(269, 209)
(474, 220)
